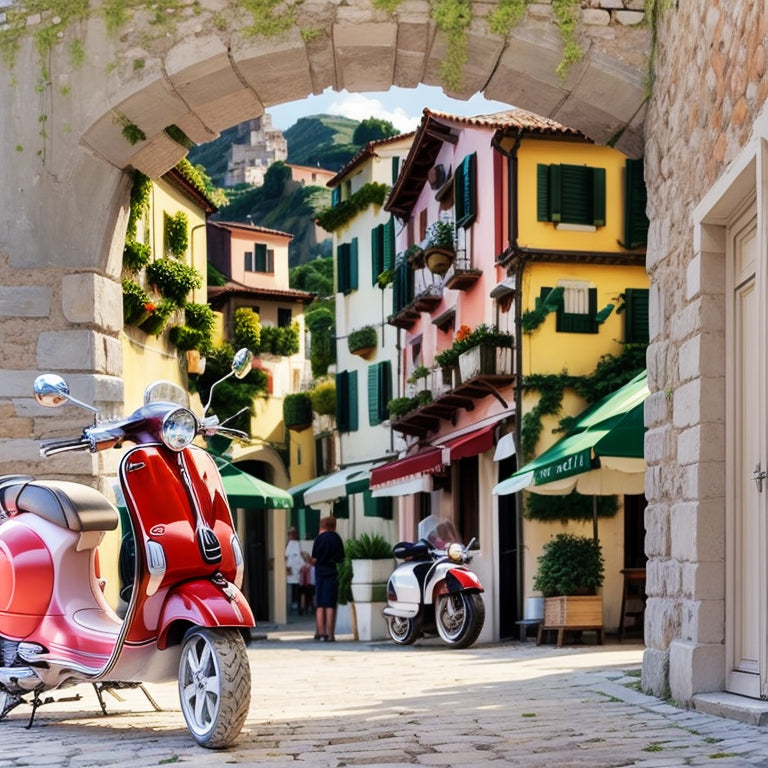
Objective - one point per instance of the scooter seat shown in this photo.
(409, 550)
(69, 505)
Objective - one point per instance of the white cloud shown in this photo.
(358, 106)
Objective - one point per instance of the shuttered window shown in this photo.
(346, 266)
(636, 316)
(465, 191)
(576, 307)
(379, 391)
(402, 293)
(335, 195)
(635, 200)
(382, 248)
(395, 168)
(570, 194)
(346, 401)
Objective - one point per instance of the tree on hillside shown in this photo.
(315, 276)
(277, 176)
(373, 129)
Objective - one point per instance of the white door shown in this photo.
(746, 459)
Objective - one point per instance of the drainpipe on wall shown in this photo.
(512, 166)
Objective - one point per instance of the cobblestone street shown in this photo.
(375, 704)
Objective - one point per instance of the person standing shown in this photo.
(293, 563)
(327, 553)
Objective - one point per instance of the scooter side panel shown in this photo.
(205, 605)
(26, 580)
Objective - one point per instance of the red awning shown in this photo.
(426, 460)
(434, 458)
(479, 441)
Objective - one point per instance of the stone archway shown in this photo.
(75, 123)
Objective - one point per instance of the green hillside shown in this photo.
(322, 140)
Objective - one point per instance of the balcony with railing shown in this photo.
(481, 371)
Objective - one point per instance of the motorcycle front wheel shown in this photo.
(402, 630)
(459, 617)
(214, 685)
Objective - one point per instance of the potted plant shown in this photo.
(173, 279)
(372, 562)
(439, 251)
(571, 570)
(414, 255)
(195, 337)
(297, 411)
(362, 341)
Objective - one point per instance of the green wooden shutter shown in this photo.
(260, 257)
(342, 385)
(388, 256)
(635, 201)
(335, 195)
(395, 168)
(542, 193)
(576, 194)
(352, 402)
(636, 316)
(402, 293)
(385, 389)
(373, 395)
(342, 268)
(598, 197)
(465, 193)
(353, 249)
(377, 252)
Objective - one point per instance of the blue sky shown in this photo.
(401, 106)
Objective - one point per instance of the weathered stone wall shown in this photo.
(710, 85)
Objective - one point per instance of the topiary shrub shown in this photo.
(297, 410)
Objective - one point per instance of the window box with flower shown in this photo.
(362, 341)
(484, 351)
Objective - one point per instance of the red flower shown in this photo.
(150, 307)
(463, 332)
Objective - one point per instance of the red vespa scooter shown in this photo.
(185, 615)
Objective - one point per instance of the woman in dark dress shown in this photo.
(327, 553)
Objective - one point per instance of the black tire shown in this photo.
(402, 630)
(214, 685)
(459, 618)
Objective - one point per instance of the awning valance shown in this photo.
(409, 472)
(345, 482)
(249, 492)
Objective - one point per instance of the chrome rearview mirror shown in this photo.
(51, 391)
(241, 363)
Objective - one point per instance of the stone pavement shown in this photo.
(331, 705)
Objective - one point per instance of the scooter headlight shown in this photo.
(456, 552)
(179, 429)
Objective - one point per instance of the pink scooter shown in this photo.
(181, 558)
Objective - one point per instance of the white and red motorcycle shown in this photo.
(181, 560)
(433, 591)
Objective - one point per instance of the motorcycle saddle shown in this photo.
(410, 550)
(69, 505)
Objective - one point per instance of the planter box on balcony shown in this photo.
(485, 360)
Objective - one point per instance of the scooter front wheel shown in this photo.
(214, 685)
(402, 630)
(459, 617)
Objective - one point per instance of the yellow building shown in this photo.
(574, 249)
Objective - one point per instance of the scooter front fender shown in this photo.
(463, 580)
(202, 603)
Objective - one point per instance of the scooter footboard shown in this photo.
(203, 604)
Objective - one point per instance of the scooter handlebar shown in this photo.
(52, 447)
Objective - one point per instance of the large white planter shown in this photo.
(371, 571)
(371, 625)
(344, 619)
(369, 593)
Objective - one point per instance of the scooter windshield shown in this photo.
(166, 392)
(439, 532)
